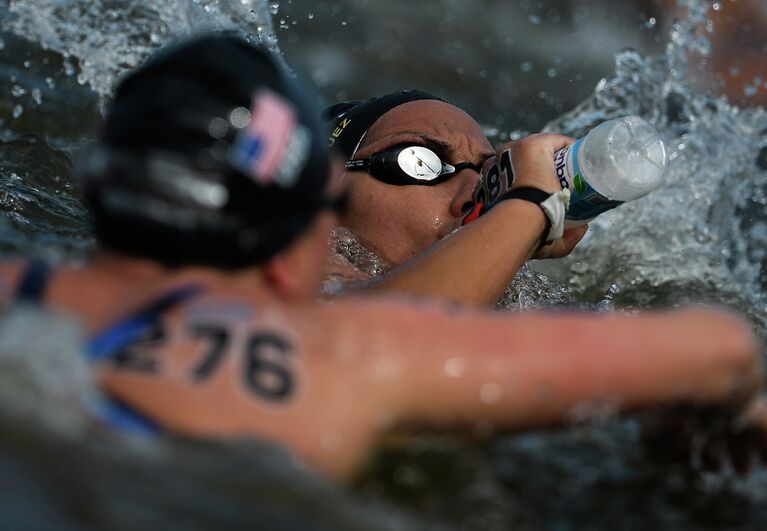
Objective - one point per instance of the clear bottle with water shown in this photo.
(620, 160)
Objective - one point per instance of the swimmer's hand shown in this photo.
(710, 441)
(533, 161)
(564, 245)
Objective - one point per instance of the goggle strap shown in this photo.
(464, 165)
(358, 164)
(387, 161)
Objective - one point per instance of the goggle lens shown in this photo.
(408, 165)
(421, 163)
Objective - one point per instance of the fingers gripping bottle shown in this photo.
(618, 161)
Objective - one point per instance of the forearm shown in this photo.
(474, 265)
(538, 370)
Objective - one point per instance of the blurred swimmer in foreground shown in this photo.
(213, 197)
(410, 222)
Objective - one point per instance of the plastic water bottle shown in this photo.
(618, 161)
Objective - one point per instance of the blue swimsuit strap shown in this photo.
(31, 289)
(34, 281)
(111, 341)
(129, 329)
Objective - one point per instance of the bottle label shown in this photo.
(585, 202)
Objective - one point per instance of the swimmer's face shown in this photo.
(400, 222)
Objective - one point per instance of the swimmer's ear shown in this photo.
(281, 275)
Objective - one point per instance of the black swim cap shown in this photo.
(350, 120)
(212, 154)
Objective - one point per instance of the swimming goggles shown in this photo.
(409, 165)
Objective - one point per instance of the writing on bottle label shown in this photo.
(585, 202)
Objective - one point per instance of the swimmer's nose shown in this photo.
(462, 201)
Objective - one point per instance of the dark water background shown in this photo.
(516, 66)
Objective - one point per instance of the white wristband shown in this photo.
(555, 208)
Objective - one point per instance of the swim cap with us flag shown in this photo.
(211, 154)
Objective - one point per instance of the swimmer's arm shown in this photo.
(475, 265)
(534, 371)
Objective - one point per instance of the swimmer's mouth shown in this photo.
(475, 211)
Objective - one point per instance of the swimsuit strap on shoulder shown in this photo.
(34, 282)
(111, 341)
(130, 328)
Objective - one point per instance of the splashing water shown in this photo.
(345, 243)
(44, 377)
(700, 236)
(107, 37)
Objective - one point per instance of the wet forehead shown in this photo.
(460, 136)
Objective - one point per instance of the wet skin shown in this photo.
(400, 222)
(414, 227)
(328, 380)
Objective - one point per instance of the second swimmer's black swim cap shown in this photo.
(212, 154)
(348, 121)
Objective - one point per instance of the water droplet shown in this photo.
(18, 110)
(218, 128)
(69, 70)
(49, 81)
(344, 22)
(534, 19)
(455, 367)
(526, 66)
(650, 22)
(552, 72)
(491, 392)
(717, 6)
(240, 117)
(17, 91)
(310, 16)
(2, 44)
(37, 96)
(274, 8)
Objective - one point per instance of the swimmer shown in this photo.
(213, 197)
(399, 217)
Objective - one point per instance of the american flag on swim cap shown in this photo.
(262, 145)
